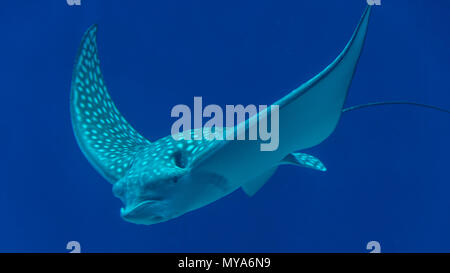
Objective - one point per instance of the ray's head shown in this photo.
(149, 189)
(159, 185)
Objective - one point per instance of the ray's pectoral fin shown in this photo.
(309, 114)
(103, 134)
(304, 160)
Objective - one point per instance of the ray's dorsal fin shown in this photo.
(304, 160)
(103, 134)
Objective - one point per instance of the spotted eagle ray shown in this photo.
(161, 180)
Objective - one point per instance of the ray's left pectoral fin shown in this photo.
(315, 107)
(307, 115)
(303, 160)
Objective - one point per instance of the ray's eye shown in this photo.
(179, 160)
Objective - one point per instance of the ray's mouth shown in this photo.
(145, 212)
(137, 208)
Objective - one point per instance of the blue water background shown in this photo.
(387, 177)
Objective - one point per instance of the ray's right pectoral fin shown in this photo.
(105, 137)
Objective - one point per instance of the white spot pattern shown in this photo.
(103, 134)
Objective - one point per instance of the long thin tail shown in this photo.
(360, 106)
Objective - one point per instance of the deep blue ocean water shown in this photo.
(387, 177)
